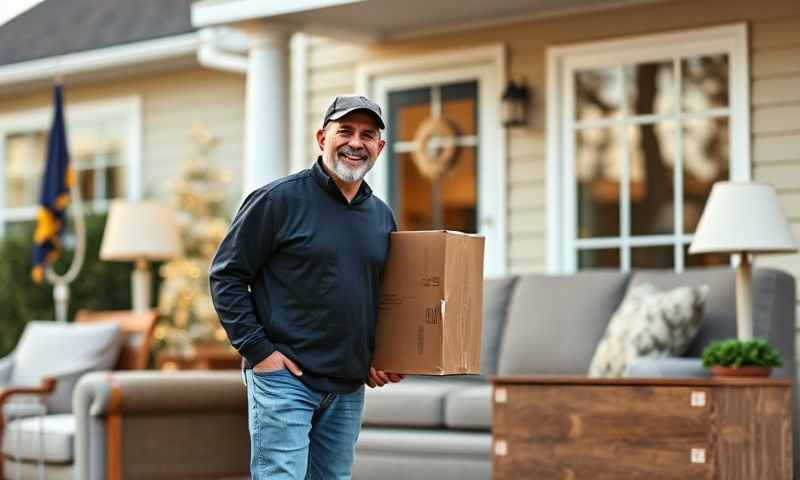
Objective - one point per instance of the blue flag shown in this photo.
(58, 177)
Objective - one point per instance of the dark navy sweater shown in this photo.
(299, 271)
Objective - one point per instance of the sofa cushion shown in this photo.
(24, 438)
(424, 443)
(649, 323)
(555, 321)
(414, 402)
(496, 294)
(52, 349)
(469, 408)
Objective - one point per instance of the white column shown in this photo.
(266, 133)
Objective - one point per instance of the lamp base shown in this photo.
(744, 299)
(141, 282)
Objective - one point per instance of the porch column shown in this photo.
(266, 135)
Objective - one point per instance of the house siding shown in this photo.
(171, 103)
(775, 98)
(775, 69)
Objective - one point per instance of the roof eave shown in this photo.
(146, 51)
(209, 13)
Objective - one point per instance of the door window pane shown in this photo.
(704, 82)
(444, 197)
(408, 109)
(460, 107)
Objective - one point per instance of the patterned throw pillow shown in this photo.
(649, 323)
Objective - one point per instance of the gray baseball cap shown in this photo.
(344, 104)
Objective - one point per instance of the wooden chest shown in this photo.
(575, 428)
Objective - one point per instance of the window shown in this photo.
(103, 143)
(646, 126)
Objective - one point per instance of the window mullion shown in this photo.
(569, 180)
(624, 181)
(436, 101)
(678, 167)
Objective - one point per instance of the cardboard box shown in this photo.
(429, 316)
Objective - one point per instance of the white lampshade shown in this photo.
(743, 217)
(140, 231)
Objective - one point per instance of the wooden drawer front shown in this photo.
(602, 432)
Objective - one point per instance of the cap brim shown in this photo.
(341, 114)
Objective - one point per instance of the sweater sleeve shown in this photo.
(243, 252)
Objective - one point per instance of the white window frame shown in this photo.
(563, 61)
(487, 65)
(129, 107)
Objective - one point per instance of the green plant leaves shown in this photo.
(737, 353)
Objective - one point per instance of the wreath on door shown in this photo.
(434, 165)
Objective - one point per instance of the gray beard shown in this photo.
(344, 172)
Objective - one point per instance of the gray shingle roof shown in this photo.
(56, 27)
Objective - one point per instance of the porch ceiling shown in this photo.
(386, 19)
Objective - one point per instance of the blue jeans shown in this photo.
(298, 433)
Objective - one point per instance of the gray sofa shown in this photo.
(543, 324)
(187, 424)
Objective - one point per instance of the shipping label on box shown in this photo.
(429, 317)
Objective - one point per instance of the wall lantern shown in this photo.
(516, 102)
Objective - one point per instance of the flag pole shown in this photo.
(59, 189)
(61, 282)
(61, 292)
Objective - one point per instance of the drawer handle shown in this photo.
(698, 399)
(698, 455)
(500, 395)
(500, 448)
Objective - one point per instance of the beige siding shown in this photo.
(775, 63)
(776, 129)
(171, 103)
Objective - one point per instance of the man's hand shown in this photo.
(379, 378)
(276, 361)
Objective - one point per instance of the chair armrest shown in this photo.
(102, 399)
(671, 367)
(46, 388)
(6, 367)
(150, 391)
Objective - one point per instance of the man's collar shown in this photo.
(329, 185)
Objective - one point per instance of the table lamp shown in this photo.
(744, 218)
(140, 232)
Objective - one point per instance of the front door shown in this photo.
(439, 149)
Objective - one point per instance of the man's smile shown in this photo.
(353, 159)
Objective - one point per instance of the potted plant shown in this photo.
(739, 358)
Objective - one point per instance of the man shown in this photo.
(296, 283)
